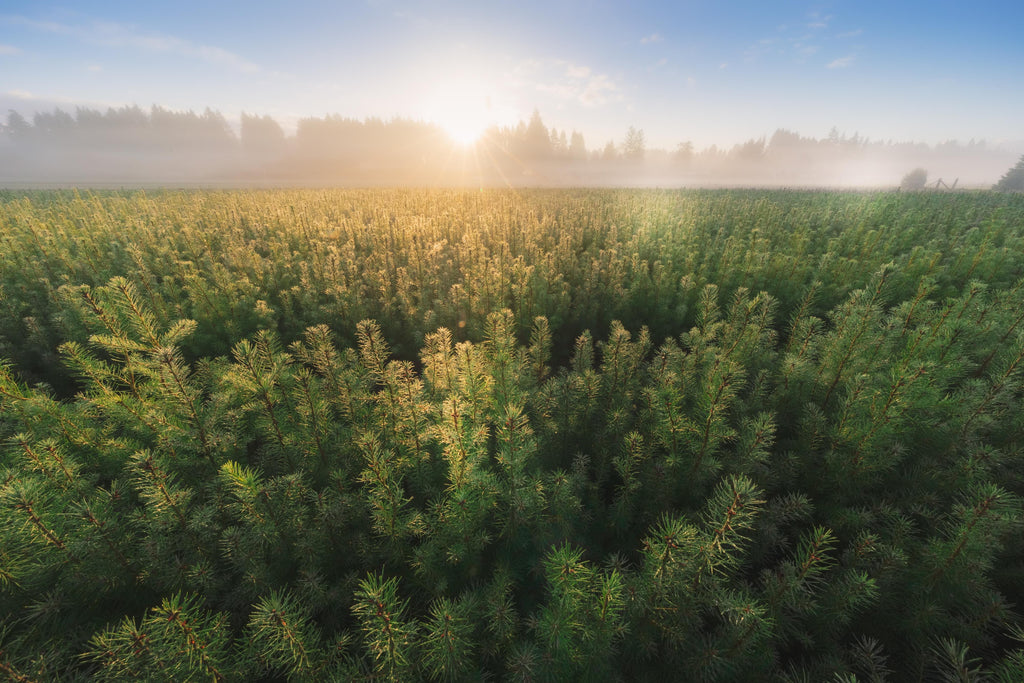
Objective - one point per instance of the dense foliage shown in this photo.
(1012, 180)
(593, 435)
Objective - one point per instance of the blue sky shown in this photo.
(708, 72)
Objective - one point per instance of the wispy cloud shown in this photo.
(110, 34)
(653, 38)
(9, 50)
(841, 63)
(27, 101)
(568, 82)
(818, 21)
(574, 71)
(657, 66)
(800, 41)
(760, 49)
(805, 50)
(593, 92)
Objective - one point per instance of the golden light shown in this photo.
(462, 108)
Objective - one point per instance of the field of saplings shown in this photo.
(559, 435)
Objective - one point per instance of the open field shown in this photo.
(524, 435)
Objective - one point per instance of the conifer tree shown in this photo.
(739, 435)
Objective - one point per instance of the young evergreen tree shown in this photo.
(796, 460)
(1012, 180)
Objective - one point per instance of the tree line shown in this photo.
(132, 145)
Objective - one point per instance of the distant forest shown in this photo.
(130, 146)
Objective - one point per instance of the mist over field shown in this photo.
(452, 93)
(129, 146)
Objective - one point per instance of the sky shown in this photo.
(691, 70)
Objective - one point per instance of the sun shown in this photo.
(462, 108)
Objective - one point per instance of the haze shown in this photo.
(931, 84)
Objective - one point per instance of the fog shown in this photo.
(132, 147)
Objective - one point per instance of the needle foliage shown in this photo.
(530, 436)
